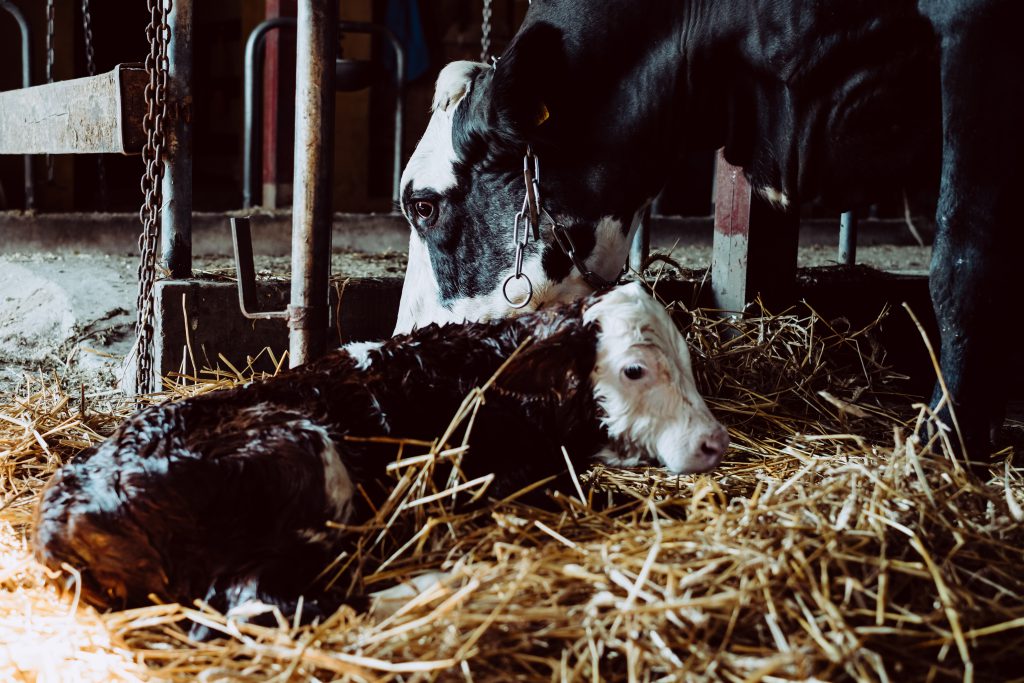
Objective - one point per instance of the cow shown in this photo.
(833, 99)
(243, 495)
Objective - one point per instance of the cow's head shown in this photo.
(464, 183)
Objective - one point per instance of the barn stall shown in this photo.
(831, 544)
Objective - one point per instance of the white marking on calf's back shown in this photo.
(360, 352)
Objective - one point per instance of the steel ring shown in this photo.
(529, 291)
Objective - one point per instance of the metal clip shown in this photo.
(531, 178)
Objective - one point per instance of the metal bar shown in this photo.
(754, 252)
(26, 82)
(311, 211)
(93, 115)
(253, 91)
(176, 215)
(848, 238)
(245, 272)
(399, 52)
(254, 50)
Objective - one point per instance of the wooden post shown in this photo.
(755, 244)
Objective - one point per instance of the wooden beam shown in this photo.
(94, 115)
(755, 244)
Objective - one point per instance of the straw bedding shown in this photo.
(832, 545)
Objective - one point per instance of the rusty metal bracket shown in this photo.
(245, 271)
(93, 115)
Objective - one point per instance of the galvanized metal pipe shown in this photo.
(176, 216)
(253, 93)
(26, 82)
(848, 238)
(399, 53)
(311, 211)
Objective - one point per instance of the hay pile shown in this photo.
(830, 546)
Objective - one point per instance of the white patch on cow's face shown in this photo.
(360, 352)
(432, 164)
(643, 379)
(420, 303)
(776, 198)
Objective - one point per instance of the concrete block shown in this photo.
(198, 321)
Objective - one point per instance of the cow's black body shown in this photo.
(814, 98)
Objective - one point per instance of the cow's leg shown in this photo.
(978, 239)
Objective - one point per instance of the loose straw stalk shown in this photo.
(832, 545)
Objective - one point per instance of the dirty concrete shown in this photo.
(72, 315)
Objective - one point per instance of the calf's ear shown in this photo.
(524, 89)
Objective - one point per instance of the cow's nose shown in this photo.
(713, 445)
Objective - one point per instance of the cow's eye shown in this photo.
(425, 210)
(634, 371)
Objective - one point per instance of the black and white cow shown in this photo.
(833, 98)
(229, 495)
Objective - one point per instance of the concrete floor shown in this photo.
(72, 315)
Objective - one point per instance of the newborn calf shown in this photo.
(228, 495)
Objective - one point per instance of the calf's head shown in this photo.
(464, 183)
(643, 381)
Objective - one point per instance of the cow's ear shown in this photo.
(524, 88)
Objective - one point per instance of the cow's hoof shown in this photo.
(968, 441)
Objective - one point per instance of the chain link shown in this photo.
(90, 67)
(485, 33)
(157, 64)
(50, 14)
(528, 221)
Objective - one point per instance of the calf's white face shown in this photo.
(643, 380)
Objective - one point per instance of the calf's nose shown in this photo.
(713, 445)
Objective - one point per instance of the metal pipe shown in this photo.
(848, 238)
(311, 210)
(253, 93)
(399, 52)
(253, 79)
(26, 82)
(176, 215)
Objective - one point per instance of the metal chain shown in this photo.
(157, 63)
(49, 72)
(485, 33)
(529, 218)
(90, 53)
(90, 67)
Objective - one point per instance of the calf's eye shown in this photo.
(425, 210)
(634, 371)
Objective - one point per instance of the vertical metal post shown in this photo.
(396, 169)
(26, 82)
(311, 212)
(848, 238)
(176, 215)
